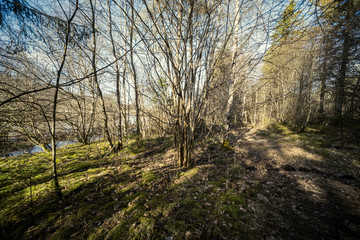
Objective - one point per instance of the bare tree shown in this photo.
(187, 37)
(55, 101)
(118, 83)
(133, 68)
(95, 76)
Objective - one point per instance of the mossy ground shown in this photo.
(237, 192)
(135, 194)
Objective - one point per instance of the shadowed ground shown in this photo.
(267, 184)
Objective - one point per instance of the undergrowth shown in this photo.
(136, 193)
(117, 196)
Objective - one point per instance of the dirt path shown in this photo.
(306, 192)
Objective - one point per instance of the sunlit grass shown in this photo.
(117, 196)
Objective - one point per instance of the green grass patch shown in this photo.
(280, 129)
(111, 196)
(148, 177)
(226, 146)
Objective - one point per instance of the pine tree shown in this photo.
(288, 23)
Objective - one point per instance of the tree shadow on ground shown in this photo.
(240, 192)
(302, 198)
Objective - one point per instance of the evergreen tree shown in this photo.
(288, 23)
(340, 21)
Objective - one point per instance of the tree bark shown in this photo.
(118, 97)
(95, 78)
(340, 81)
(55, 101)
(233, 78)
(324, 73)
(136, 86)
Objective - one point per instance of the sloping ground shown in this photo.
(265, 185)
(312, 192)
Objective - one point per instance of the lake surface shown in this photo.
(36, 149)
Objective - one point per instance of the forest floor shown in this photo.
(266, 184)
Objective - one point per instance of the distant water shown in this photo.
(35, 149)
(96, 137)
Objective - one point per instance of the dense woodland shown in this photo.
(157, 89)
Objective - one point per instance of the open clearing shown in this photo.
(267, 184)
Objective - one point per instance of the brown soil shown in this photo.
(305, 192)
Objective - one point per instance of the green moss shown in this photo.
(76, 166)
(183, 177)
(109, 189)
(200, 214)
(294, 137)
(148, 177)
(190, 173)
(114, 198)
(138, 196)
(143, 229)
(135, 225)
(312, 129)
(237, 168)
(251, 193)
(95, 170)
(279, 129)
(178, 226)
(135, 146)
(222, 159)
(118, 232)
(188, 203)
(231, 197)
(126, 168)
(226, 146)
(61, 234)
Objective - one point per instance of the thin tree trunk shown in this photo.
(118, 97)
(354, 94)
(136, 86)
(57, 86)
(340, 81)
(255, 109)
(93, 61)
(125, 105)
(243, 110)
(233, 77)
(324, 74)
